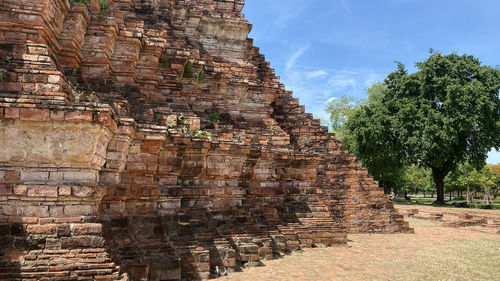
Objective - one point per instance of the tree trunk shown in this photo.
(487, 195)
(469, 194)
(396, 195)
(438, 175)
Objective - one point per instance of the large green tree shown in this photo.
(378, 157)
(385, 168)
(438, 117)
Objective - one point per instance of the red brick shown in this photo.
(138, 179)
(106, 277)
(68, 220)
(47, 229)
(12, 86)
(78, 116)
(33, 114)
(5, 189)
(15, 35)
(45, 220)
(12, 112)
(11, 176)
(20, 190)
(24, 219)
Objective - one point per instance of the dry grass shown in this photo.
(452, 259)
(414, 222)
(459, 259)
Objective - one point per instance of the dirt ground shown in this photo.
(432, 253)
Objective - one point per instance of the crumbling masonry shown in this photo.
(150, 140)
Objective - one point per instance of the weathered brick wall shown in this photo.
(112, 165)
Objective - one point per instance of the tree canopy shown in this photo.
(340, 110)
(446, 113)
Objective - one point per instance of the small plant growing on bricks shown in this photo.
(104, 5)
(3, 74)
(214, 116)
(188, 70)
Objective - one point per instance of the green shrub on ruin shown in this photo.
(214, 116)
(188, 70)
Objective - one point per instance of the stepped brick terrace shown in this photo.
(150, 140)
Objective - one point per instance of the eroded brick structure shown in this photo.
(150, 140)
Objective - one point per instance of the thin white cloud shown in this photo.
(315, 87)
(291, 61)
(341, 82)
(316, 74)
(371, 79)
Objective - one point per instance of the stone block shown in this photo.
(64, 190)
(42, 191)
(33, 211)
(82, 191)
(9, 210)
(32, 176)
(87, 229)
(80, 177)
(56, 211)
(63, 230)
(55, 176)
(76, 242)
(78, 210)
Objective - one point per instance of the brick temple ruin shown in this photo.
(150, 140)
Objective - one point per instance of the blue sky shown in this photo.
(323, 49)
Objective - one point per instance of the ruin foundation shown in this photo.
(150, 140)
